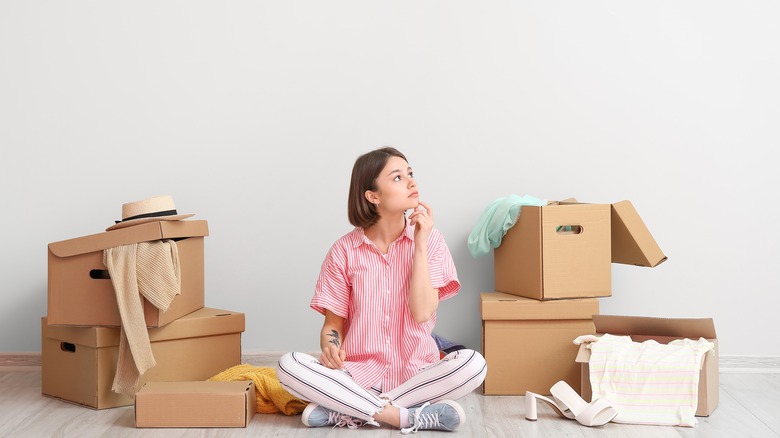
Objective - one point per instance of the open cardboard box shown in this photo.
(78, 364)
(662, 330)
(527, 343)
(80, 291)
(195, 404)
(565, 250)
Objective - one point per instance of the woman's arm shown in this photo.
(331, 341)
(423, 298)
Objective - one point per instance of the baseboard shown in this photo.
(10, 361)
(728, 364)
(21, 361)
(750, 364)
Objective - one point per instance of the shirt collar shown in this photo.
(360, 235)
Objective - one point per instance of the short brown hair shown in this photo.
(367, 167)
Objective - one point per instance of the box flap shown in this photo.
(204, 322)
(94, 337)
(503, 306)
(632, 243)
(124, 236)
(692, 328)
(583, 354)
(198, 387)
(567, 201)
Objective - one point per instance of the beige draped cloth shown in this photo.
(148, 269)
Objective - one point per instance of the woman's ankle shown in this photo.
(391, 415)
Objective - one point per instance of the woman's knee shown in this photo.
(286, 359)
(479, 359)
(289, 365)
(475, 363)
(472, 357)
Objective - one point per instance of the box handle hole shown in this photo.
(99, 274)
(569, 229)
(67, 346)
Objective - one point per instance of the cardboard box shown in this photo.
(80, 290)
(527, 343)
(662, 330)
(565, 250)
(195, 404)
(79, 363)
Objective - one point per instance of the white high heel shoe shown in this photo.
(596, 413)
(531, 407)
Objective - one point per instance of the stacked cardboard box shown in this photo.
(528, 343)
(80, 291)
(550, 270)
(80, 334)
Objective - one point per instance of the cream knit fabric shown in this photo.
(150, 269)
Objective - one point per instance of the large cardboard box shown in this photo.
(195, 404)
(565, 250)
(79, 363)
(527, 343)
(663, 330)
(80, 289)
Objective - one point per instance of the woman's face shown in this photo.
(396, 187)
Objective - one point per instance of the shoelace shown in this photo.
(341, 420)
(425, 421)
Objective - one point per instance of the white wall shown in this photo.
(251, 113)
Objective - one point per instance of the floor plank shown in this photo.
(757, 394)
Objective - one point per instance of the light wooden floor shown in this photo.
(749, 407)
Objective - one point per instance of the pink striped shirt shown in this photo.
(369, 289)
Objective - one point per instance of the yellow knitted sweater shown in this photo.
(272, 398)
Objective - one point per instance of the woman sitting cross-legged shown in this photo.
(379, 288)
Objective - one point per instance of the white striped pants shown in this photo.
(453, 377)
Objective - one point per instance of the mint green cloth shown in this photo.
(497, 218)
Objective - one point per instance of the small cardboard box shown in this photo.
(662, 330)
(195, 404)
(527, 343)
(80, 289)
(78, 363)
(565, 250)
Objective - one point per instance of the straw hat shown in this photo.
(159, 208)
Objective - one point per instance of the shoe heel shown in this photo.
(530, 406)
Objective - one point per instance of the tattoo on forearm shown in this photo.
(335, 335)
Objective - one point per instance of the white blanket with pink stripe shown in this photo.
(647, 382)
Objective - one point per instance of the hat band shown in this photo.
(153, 214)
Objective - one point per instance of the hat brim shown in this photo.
(144, 220)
